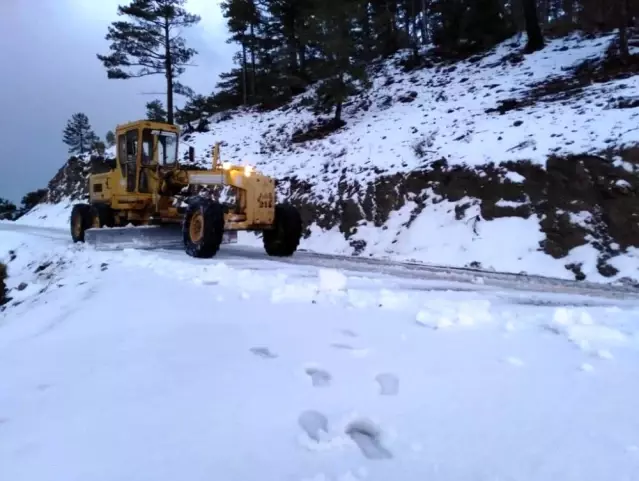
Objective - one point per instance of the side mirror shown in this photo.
(191, 154)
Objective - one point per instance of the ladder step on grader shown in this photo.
(145, 199)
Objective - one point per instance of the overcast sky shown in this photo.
(50, 71)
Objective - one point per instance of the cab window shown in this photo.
(147, 147)
(131, 146)
(122, 151)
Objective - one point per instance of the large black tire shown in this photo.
(284, 238)
(103, 215)
(81, 220)
(203, 227)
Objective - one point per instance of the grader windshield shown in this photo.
(159, 146)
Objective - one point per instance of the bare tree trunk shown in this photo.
(424, 23)
(624, 52)
(517, 10)
(244, 79)
(366, 21)
(407, 23)
(169, 72)
(544, 8)
(338, 107)
(415, 40)
(535, 37)
(253, 75)
(569, 11)
(391, 9)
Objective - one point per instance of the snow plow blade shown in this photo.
(143, 237)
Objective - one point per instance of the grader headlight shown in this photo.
(248, 170)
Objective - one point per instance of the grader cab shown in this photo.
(146, 198)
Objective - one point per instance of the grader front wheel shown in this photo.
(102, 216)
(196, 228)
(81, 220)
(203, 228)
(284, 238)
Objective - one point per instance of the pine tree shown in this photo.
(109, 139)
(284, 46)
(156, 111)
(31, 199)
(79, 135)
(343, 65)
(6, 207)
(243, 20)
(98, 147)
(293, 26)
(150, 44)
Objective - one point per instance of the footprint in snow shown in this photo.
(341, 345)
(263, 352)
(313, 423)
(356, 352)
(366, 435)
(319, 377)
(388, 384)
(348, 333)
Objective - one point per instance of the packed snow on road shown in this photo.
(147, 365)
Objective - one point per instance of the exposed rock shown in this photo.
(407, 97)
(576, 270)
(70, 181)
(3, 287)
(606, 269)
(317, 130)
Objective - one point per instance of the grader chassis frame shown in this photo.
(145, 198)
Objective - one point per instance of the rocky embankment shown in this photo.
(3, 287)
(577, 200)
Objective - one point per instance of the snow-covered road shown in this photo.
(252, 257)
(146, 365)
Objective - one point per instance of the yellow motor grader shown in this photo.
(145, 198)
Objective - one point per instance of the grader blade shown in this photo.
(143, 237)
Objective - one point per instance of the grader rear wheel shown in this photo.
(102, 216)
(284, 238)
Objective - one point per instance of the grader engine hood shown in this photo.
(224, 174)
(206, 178)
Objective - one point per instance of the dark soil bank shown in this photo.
(576, 184)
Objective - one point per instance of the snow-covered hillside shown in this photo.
(467, 163)
(158, 367)
(503, 161)
(451, 111)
